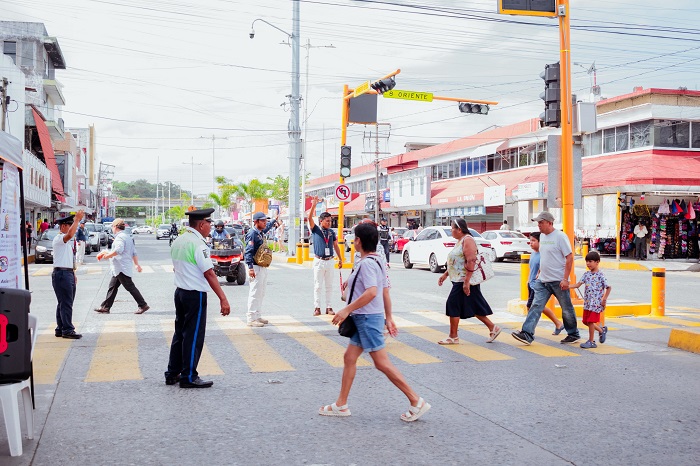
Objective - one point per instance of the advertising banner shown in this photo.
(10, 247)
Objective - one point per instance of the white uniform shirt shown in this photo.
(190, 255)
(123, 262)
(63, 253)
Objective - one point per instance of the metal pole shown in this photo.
(294, 136)
(376, 174)
(192, 179)
(157, 182)
(213, 169)
(303, 155)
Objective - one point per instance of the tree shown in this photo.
(280, 187)
(251, 191)
(224, 198)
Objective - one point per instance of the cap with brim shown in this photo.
(259, 216)
(546, 216)
(200, 214)
(65, 220)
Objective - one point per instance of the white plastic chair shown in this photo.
(10, 404)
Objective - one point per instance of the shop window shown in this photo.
(463, 167)
(523, 158)
(696, 135)
(9, 48)
(640, 134)
(622, 136)
(435, 172)
(609, 140)
(597, 143)
(480, 165)
(541, 155)
(669, 133)
(452, 169)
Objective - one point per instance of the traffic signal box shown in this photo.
(466, 107)
(551, 96)
(383, 85)
(345, 161)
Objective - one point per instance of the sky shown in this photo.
(159, 79)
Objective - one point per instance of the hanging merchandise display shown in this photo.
(674, 235)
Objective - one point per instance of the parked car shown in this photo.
(407, 236)
(103, 232)
(44, 246)
(142, 229)
(163, 231)
(395, 235)
(431, 247)
(93, 243)
(128, 230)
(507, 244)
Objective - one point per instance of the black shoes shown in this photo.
(172, 380)
(72, 335)
(196, 383)
(570, 339)
(523, 337)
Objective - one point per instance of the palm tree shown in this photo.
(252, 191)
(226, 192)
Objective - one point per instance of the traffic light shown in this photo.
(383, 85)
(466, 107)
(345, 161)
(551, 96)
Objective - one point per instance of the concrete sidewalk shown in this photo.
(626, 263)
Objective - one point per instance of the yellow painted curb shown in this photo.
(685, 339)
(291, 260)
(613, 264)
(517, 307)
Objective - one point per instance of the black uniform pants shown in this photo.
(188, 340)
(385, 245)
(129, 286)
(63, 281)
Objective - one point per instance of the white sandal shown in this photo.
(494, 334)
(414, 412)
(334, 410)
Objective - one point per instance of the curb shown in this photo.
(615, 265)
(685, 339)
(613, 309)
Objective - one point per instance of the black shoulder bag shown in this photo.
(347, 328)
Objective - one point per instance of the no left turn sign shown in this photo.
(342, 193)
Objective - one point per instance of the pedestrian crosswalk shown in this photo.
(98, 269)
(129, 349)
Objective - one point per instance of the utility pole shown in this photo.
(157, 181)
(376, 174)
(3, 94)
(294, 138)
(213, 161)
(192, 164)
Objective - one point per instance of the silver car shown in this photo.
(163, 231)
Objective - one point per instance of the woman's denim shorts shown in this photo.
(370, 332)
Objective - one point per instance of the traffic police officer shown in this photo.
(194, 277)
(384, 236)
(63, 277)
(258, 275)
(324, 242)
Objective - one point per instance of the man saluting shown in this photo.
(194, 277)
(63, 277)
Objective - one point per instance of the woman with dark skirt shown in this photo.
(465, 300)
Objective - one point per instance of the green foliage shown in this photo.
(280, 187)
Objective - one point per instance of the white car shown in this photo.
(93, 242)
(142, 229)
(431, 247)
(163, 231)
(507, 244)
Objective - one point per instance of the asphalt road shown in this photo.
(101, 400)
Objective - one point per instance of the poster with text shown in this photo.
(10, 246)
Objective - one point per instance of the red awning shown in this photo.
(49, 157)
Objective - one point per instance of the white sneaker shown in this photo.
(262, 321)
(255, 323)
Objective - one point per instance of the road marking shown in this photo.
(49, 354)
(94, 270)
(43, 272)
(465, 348)
(116, 354)
(686, 315)
(444, 320)
(322, 346)
(540, 349)
(674, 320)
(408, 353)
(167, 268)
(207, 364)
(147, 269)
(682, 308)
(255, 351)
(601, 349)
(634, 323)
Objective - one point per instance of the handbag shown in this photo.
(347, 327)
(483, 270)
(263, 256)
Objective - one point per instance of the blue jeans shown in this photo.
(370, 331)
(543, 291)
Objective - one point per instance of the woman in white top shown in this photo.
(465, 300)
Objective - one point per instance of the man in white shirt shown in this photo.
(63, 278)
(640, 241)
(122, 257)
(556, 263)
(505, 225)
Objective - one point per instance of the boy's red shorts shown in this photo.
(590, 317)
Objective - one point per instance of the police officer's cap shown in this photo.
(259, 216)
(200, 214)
(66, 220)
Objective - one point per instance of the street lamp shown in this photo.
(294, 130)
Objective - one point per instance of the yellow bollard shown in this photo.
(524, 276)
(658, 291)
(300, 257)
(305, 251)
(352, 253)
(584, 248)
(341, 246)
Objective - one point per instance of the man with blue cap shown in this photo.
(257, 272)
(194, 277)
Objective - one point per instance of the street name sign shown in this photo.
(409, 95)
(342, 192)
(361, 89)
(528, 7)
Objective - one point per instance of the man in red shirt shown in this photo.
(44, 226)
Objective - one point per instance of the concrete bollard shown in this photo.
(584, 248)
(658, 291)
(300, 257)
(524, 276)
(305, 251)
